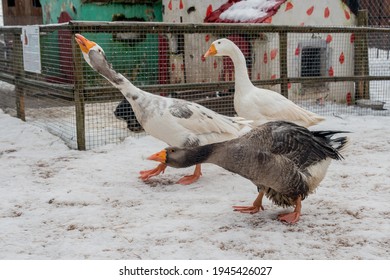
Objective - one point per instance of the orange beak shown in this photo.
(84, 43)
(160, 156)
(212, 51)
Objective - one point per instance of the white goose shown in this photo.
(176, 122)
(257, 104)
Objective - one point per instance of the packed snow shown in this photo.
(59, 203)
(248, 10)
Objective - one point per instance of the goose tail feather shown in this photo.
(338, 144)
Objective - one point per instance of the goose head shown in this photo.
(95, 57)
(171, 156)
(174, 157)
(220, 47)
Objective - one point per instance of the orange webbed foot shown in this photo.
(189, 179)
(256, 207)
(248, 209)
(290, 218)
(147, 174)
(293, 217)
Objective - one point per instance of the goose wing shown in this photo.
(208, 125)
(299, 144)
(274, 106)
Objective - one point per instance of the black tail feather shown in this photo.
(338, 144)
(327, 133)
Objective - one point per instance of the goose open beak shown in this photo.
(212, 51)
(160, 156)
(84, 43)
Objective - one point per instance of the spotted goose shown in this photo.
(174, 121)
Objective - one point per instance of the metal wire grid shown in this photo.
(323, 69)
(378, 11)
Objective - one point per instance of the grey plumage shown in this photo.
(180, 109)
(282, 159)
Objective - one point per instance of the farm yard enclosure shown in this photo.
(309, 65)
(93, 201)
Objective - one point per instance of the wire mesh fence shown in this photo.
(328, 70)
(378, 11)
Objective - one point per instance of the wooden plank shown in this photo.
(79, 96)
(362, 88)
(17, 65)
(20, 108)
(283, 63)
(7, 78)
(105, 93)
(215, 28)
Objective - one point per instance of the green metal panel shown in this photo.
(51, 10)
(134, 53)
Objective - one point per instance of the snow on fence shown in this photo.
(329, 70)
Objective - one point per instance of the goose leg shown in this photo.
(186, 180)
(292, 217)
(146, 174)
(256, 207)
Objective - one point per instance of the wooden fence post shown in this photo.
(283, 63)
(79, 95)
(362, 88)
(18, 69)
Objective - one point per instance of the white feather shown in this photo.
(257, 104)
(156, 114)
(317, 172)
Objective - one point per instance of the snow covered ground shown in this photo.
(58, 203)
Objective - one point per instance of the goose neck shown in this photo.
(240, 69)
(200, 154)
(130, 91)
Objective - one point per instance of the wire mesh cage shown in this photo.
(328, 70)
